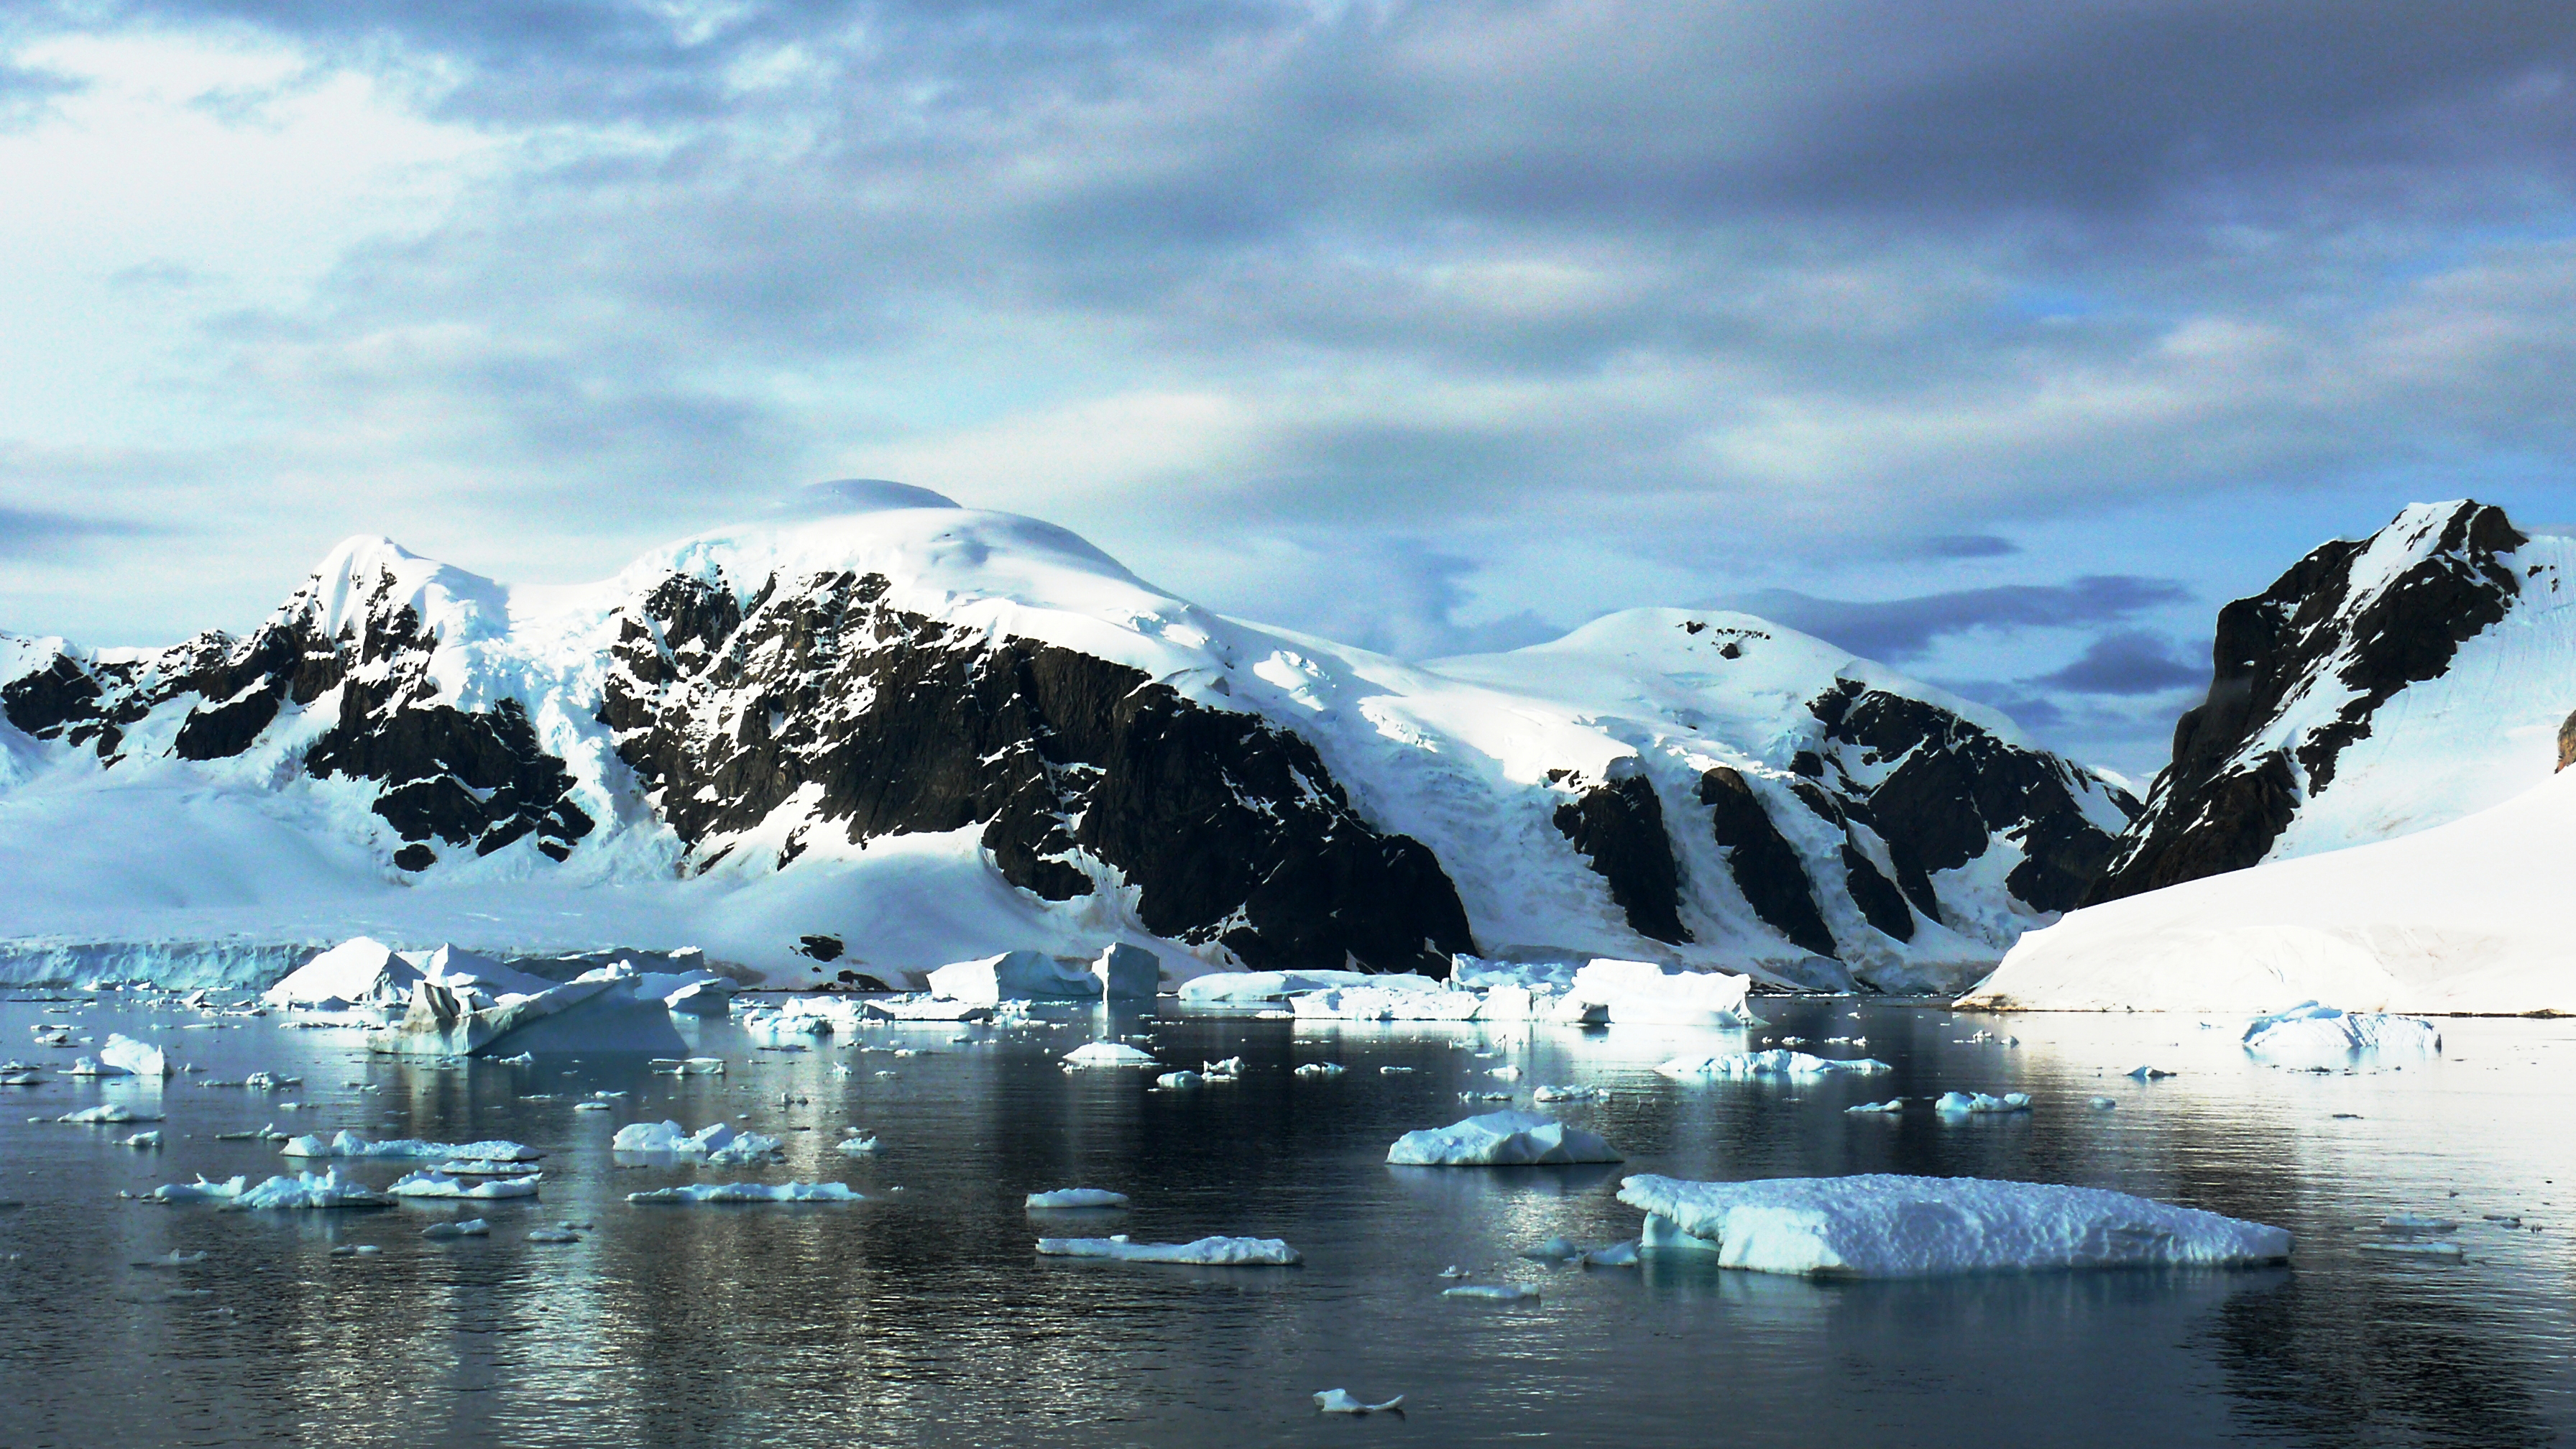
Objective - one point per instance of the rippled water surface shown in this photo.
(924, 1317)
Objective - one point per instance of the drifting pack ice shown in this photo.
(1500, 1139)
(1884, 1226)
(779, 741)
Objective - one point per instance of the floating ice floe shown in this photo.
(1883, 1226)
(1546, 1092)
(1180, 1081)
(22, 1078)
(350, 1144)
(1496, 1292)
(356, 1250)
(553, 1235)
(1961, 1104)
(145, 1141)
(1777, 1062)
(689, 1066)
(926, 1008)
(777, 1027)
(2309, 1033)
(858, 1144)
(469, 1228)
(173, 1259)
(1320, 1069)
(1120, 973)
(718, 1142)
(1339, 1401)
(427, 1183)
(1078, 1197)
(2102, 1104)
(1892, 1104)
(750, 1192)
(1109, 1054)
(202, 1190)
(1229, 1070)
(1209, 1252)
(324, 1189)
(109, 1113)
(1500, 1139)
(2418, 1223)
(123, 1054)
(2422, 1248)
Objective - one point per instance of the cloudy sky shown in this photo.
(2000, 340)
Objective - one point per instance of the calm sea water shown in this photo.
(926, 1319)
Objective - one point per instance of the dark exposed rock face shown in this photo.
(2228, 794)
(1618, 826)
(1765, 865)
(878, 721)
(2567, 743)
(462, 778)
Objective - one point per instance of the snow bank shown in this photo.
(1776, 1062)
(431, 1183)
(1881, 1226)
(750, 1192)
(1388, 998)
(1500, 1139)
(2309, 1033)
(350, 1144)
(1649, 993)
(1206, 1252)
(2472, 917)
(325, 1189)
(1078, 1197)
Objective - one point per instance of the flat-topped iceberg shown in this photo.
(1884, 1226)
(204, 1189)
(324, 1189)
(611, 1009)
(109, 1113)
(1651, 993)
(1776, 1062)
(750, 1192)
(1388, 998)
(1078, 1197)
(431, 1183)
(1500, 1139)
(350, 1144)
(2310, 1033)
(1209, 1252)
(1251, 988)
(1120, 973)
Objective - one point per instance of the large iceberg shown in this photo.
(611, 1009)
(1120, 973)
(363, 971)
(1500, 1139)
(1206, 1252)
(1650, 993)
(1884, 1226)
(1776, 1062)
(135, 1058)
(2310, 1034)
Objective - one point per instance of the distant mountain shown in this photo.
(2378, 687)
(885, 732)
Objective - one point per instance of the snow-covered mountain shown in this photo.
(892, 732)
(2378, 687)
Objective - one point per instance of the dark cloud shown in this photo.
(2127, 662)
(1896, 630)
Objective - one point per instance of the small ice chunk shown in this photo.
(2418, 1247)
(356, 1250)
(470, 1228)
(750, 1192)
(1777, 1062)
(1497, 1292)
(1212, 1252)
(1505, 1074)
(1547, 1093)
(1553, 1250)
(1452, 1271)
(523, 1059)
(1320, 1069)
(1393, 1071)
(689, 1066)
(202, 1190)
(1108, 1054)
(109, 1112)
(1892, 1104)
(1961, 1104)
(1078, 1197)
(325, 1189)
(1225, 1071)
(172, 1259)
(2147, 1074)
(1339, 1401)
(862, 1144)
(2418, 1223)
(439, 1184)
(1886, 1226)
(143, 1141)
(1617, 1255)
(2103, 1104)
(590, 1106)
(1500, 1139)
(1180, 1081)
(717, 1143)
(553, 1235)
(350, 1144)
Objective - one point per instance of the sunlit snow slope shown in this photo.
(886, 732)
